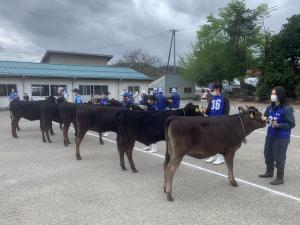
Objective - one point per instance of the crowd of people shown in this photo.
(279, 116)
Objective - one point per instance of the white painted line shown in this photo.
(279, 193)
(282, 194)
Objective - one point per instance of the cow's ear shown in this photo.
(241, 109)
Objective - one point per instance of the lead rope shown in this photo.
(245, 140)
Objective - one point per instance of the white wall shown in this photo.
(115, 87)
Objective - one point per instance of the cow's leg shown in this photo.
(47, 128)
(229, 162)
(60, 126)
(79, 137)
(51, 130)
(42, 127)
(171, 168)
(14, 124)
(129, 149)
(65, 133)
(100, 139)
(168, 156)
(167, 160)
(18, 128)
(120, 146)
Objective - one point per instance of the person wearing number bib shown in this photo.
(218, 106)
(280, 118)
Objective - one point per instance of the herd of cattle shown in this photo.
(186, 131)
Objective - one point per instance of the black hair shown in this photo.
(218, 86)
(281, 95)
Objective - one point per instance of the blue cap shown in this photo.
(125, 94)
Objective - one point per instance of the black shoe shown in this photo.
(265, 175)
(279, 178)
(277, 181)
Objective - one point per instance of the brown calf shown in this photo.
(201, 137)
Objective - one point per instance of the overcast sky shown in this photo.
(29, 27)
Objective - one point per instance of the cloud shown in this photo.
(107, 27)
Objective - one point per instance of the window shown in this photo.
(187, 90)
(39, 90)
(5, 89)
(54, 89)
(85, 89)
(170, 89)
(92, 89)
(134, 88)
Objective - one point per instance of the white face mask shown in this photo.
(213, 93)
(273, 98)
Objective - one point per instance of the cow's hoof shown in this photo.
(66, 144)
(135, 170)
(102, 143)
(169, 197)
(234, 184)
(50, 141)
(124, 168)
(15, 136)
(44, 140)
(78, 157)
(165, 190)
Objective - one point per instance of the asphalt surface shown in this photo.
(43, 183)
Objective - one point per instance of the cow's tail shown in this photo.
(168, 143)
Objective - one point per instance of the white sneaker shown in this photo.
(153, 150)
(105, 134)
(211, 159)
(220, 160)
(146, 148)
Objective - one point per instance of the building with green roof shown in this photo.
(87, 72)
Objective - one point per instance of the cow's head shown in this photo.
(51, 99)
(254, 114)
(192, 110)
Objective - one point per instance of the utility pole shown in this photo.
(173, 31)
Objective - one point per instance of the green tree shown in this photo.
(281, 65)
(226, 45)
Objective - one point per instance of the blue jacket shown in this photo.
(161, 101)
(104, 101)
(176, 101)
(285, 119)
(78, 99)
(14, 96)
(128, 103)
(216, 106)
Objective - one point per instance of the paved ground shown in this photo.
(44, 184)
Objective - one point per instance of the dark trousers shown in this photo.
(275, 151)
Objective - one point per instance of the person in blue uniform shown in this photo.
(152, 107)
(105, 100)
(160, 100)
(14, 96)
(77, 98)
(143, 98)
(218, 105)
(175, 99)
(126, 100)
(281, 120)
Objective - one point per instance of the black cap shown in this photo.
(75, 90)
